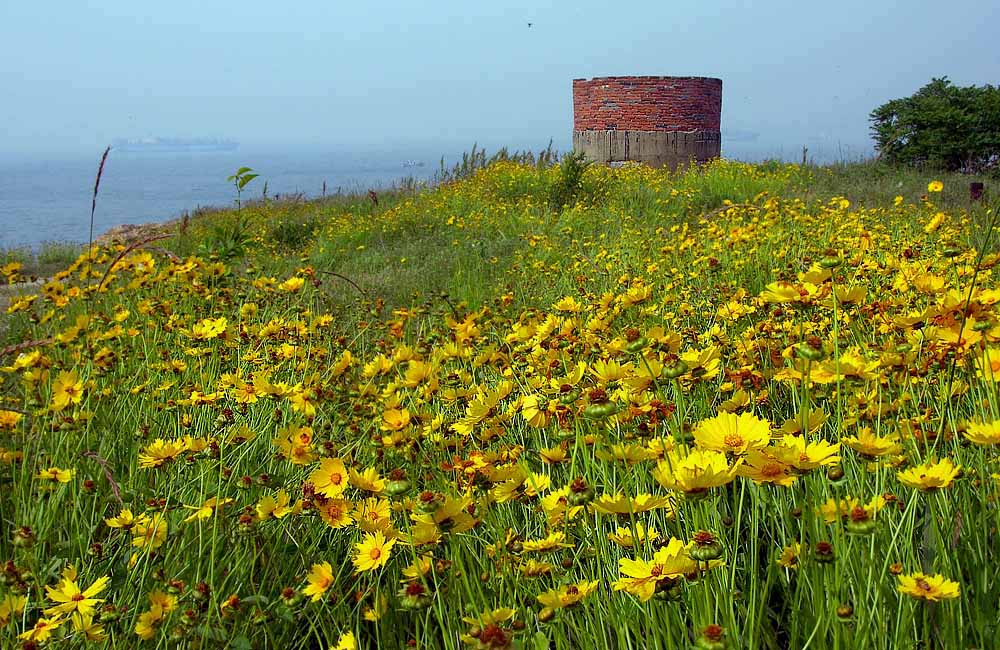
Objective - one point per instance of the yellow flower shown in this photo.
(643, 578)
(395, 420)
(207, 509)
(70, 597)
(56, 475)
(292, 284)
(372, 552)
(335, 512)
(926, 587)
(9, 419)
(320, 578)
(149, 533)
(568, 304)
(331, 477)
(295, 444)
(346, 642)
(553, 455)
(42, 630)
(368, 480)
(868, 444)
(160, 604)
(988, 365)
(935, 186)
(567, 595)
(804, 456)
(208, 328)
(274, 506)
(934, 223)
(733, 433)
(930, 475)
(84, 624)
(789, 557)
(552, 542)
(159, 452)
(621, 504)
(625, 537)
(984, 433)
(67, 389)
(11, 606)
(762, 467)
(695, 472)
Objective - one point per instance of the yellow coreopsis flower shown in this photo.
(622, 504)
(983, 433)
(159, 452)
(85, 625)
(930, 475)
(11, 606)
(762, 467)
(320, 578)
(696, 471)
(372, 552)
(935, 186)
(927, 587)
(625, 536)
(274, 506)
(56, 475)
(805, 456)
(367, 480)
(934, 223)
(733, 433)
(551, 542)
(208, 328)
(346, 642)
(124, 519)
(67, 389)
(568, 595)
(789, 557)
(292, 284)
(160, 604)
(866, 443)
(331, 478)
(71, 598)
(9, 419)
(336, 512)
(149, 533)
(207, 509)
(642, 578)
(42, 630)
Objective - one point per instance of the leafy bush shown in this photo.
(226, 241)
(942, 126)
(567, 186)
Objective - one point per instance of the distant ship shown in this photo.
(168, 145)
(413, 163)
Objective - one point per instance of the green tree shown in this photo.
(941, 126)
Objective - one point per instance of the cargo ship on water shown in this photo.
(174, 145)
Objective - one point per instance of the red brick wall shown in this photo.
(647, 104)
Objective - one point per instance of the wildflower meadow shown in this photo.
(738, 406)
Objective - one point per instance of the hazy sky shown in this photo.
(77, 74)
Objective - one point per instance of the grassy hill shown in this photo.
(536, 406)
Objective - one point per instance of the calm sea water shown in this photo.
(48, 198)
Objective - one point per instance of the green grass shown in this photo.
(433, 339)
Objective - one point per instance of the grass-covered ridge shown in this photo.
(739, 406)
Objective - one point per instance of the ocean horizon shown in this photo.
(47, 197)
